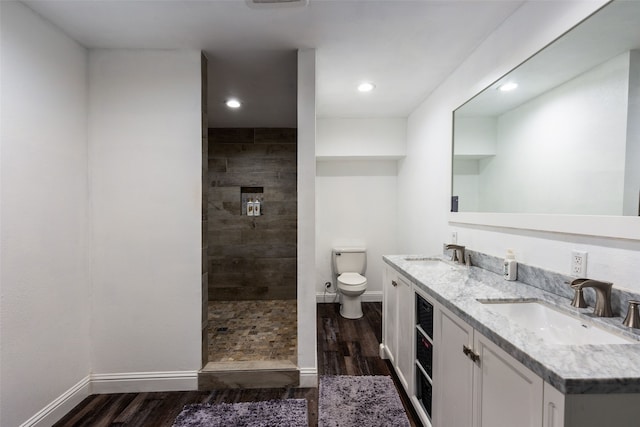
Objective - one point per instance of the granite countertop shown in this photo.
(572, 369)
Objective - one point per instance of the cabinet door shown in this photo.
(453, 377)
(405, 355)
(507, 394)
(389, 314)
(553, 407)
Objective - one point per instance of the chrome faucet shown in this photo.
(458, 253)
(603, 296)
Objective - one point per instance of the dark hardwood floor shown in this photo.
(345, 347)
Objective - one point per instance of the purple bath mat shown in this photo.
(272, 413)
(371, 401)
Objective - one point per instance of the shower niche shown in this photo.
(252, 194)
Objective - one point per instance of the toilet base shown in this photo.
(351, 306)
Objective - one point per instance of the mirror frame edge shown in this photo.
(617, 227)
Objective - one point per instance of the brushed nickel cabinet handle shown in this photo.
(467, 351)
(470, 353)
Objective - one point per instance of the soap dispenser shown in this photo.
(250, 208)
(256, 207)
(510, 268)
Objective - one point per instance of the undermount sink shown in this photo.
(553, 326)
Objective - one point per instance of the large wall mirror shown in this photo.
(560, 134)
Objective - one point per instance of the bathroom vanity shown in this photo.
(473, 350)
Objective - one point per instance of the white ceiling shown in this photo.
(613, 30)
(407, 47)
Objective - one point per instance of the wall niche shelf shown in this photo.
(251, 193)
(357, 158)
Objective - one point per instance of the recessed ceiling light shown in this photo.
(366, 87)
(233, 103)
(506, 87)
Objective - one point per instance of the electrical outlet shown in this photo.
(454, 237)
(579, 263)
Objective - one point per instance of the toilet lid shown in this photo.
(352, 279)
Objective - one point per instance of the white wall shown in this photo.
(307, 355)
(364, 137)
(632, 158)
(356, 184)
(563, 151)
(145, 174)
(356, 193)
(44, 274)
(427, 166)
(356, 206)
(475, 136)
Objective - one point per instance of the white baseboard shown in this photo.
(373, 296)
(133, 382)
(139, 382)
(57, 409)
(308, 378)
(370, 296)
(385, 353)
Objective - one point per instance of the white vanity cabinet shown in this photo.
(397, 329)
(457, 377)
(477, 383)
(389, 346)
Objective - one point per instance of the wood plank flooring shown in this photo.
(345, 347)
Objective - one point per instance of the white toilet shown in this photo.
(349, 264)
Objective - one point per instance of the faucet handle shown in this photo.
(458, 252)
(633, 318)
(578, 299)
(577, 283)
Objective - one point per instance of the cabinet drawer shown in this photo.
(424, 315)
(424, 353)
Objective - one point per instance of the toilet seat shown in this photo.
(352, 283)
(352, 279)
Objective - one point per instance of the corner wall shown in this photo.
(307, 355)
(427, 167)
(145, 173)
(44, 220)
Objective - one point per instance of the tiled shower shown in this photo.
(252, 259)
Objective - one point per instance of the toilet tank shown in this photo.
(349, 260)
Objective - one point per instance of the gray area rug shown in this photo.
(272, 413)
(366, 401)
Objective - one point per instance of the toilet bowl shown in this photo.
(349, 265)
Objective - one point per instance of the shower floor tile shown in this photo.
(252, 330)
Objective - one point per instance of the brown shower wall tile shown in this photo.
(273, 178)
(204, 210)
(265, 151)
(249, 165)
(217, 164)
(252, 258)
(231, 135)
(261, 250)
(275, 136)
